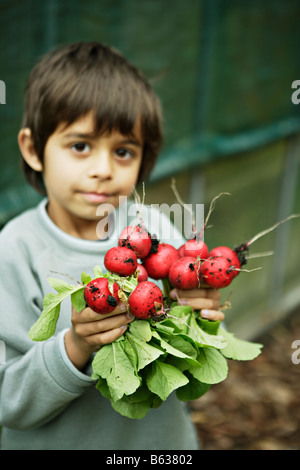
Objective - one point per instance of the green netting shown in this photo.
(223, 70)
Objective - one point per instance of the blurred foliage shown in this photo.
(223, 71)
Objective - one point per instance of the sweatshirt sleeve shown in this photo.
(38, 380)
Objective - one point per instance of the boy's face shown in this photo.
(82, 170)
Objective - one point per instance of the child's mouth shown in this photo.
(96, 198)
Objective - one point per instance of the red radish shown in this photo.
(98, 296)
(195, 248)
(145, 300)
(217, 272)
(158, 264)
(181, 251)
(120, 260)
(142, 273)
(137, 238)
(185, 273)
(227, 253)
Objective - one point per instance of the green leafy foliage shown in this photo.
(45, 326)
(183, 353)
(115, 366)
(176, 354)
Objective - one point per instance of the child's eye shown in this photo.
(81, 147)
(124, 153)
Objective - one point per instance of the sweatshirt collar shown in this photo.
(69, 242)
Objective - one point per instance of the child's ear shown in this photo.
(27, 149)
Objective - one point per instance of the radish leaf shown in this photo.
(192, 390)
(214, 367)
(141, 329)
(146, 353)
(163, 379)
(238, 349)
(45, 326)
(112, 363)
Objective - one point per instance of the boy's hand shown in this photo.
(205, 299)
(90, 331)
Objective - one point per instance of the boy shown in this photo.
(91, 131)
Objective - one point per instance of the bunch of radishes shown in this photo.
(138, 255)
(134, 244)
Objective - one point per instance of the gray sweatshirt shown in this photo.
(45, 402)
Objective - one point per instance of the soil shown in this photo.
(258, 406)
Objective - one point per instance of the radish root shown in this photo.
(66, 275)
(212, 207)
(181, 202)
(139, 203)
(270, 229)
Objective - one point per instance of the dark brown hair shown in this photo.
(75, 79)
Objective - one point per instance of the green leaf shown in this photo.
(131, 353)
(156, 401)
(133, 406)
(45, 326)
(238, 349)
(131, 409)
(208, 326)
(205, 339)
(193, 390)
(78, 300)
(181, 310)
(112, 363)
(141, 394)
(163, 379)
(85, 278)
(141, 329)
(163, 327)
(97, 272)
(180, 364)
(146, 353)
(214, 367)
(178, 342)
(126, 283)
(183, 315)
(111, 285)
(62, 287)
(188, 325)
(102, 387)
(174, 351)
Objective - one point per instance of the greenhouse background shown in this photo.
(224, 72)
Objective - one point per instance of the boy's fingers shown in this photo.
(94, 328)
(176, 294)
(109, 336)
(88, 315)
(198, 298)
(199, 303)
(215, 315)
(112, 323)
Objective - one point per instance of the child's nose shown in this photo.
(102, 166)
